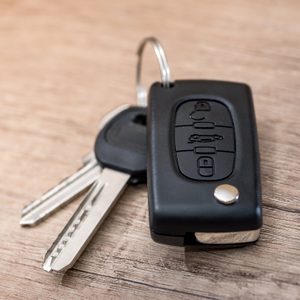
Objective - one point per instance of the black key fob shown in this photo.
(203, 167)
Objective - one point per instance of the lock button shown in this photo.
(199, 108)
(206, 111)
(205, 162)
(206, 166)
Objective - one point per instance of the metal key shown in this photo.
(69, 188)
(120, 155)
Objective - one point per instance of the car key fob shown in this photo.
(203, 166)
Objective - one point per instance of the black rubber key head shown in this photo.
(122, 143)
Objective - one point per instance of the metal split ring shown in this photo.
(163, 65)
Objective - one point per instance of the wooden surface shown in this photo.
(64, 64)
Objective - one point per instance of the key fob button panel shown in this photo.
(205, 166)
(203, 110)
(188, 138)
(201, 131)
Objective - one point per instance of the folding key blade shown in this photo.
(86, 220)
(61, 194)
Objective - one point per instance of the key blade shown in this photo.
(88, 159)
(61, 194)
(87, 219)
(65, 191)
(78, 217)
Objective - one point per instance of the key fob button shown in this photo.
(202, 106)
(205, 162)
(199, 108)
(205, 167)
(206, 172)
(226, 194)
(204, 110)
(189, 138)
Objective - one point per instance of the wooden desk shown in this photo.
(64, 65)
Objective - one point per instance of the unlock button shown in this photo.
(205, 166)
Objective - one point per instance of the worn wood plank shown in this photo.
(65, 64)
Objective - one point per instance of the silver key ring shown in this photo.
(163, 65)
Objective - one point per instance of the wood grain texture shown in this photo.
(64, 64)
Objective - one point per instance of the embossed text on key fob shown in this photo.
(203, 166)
